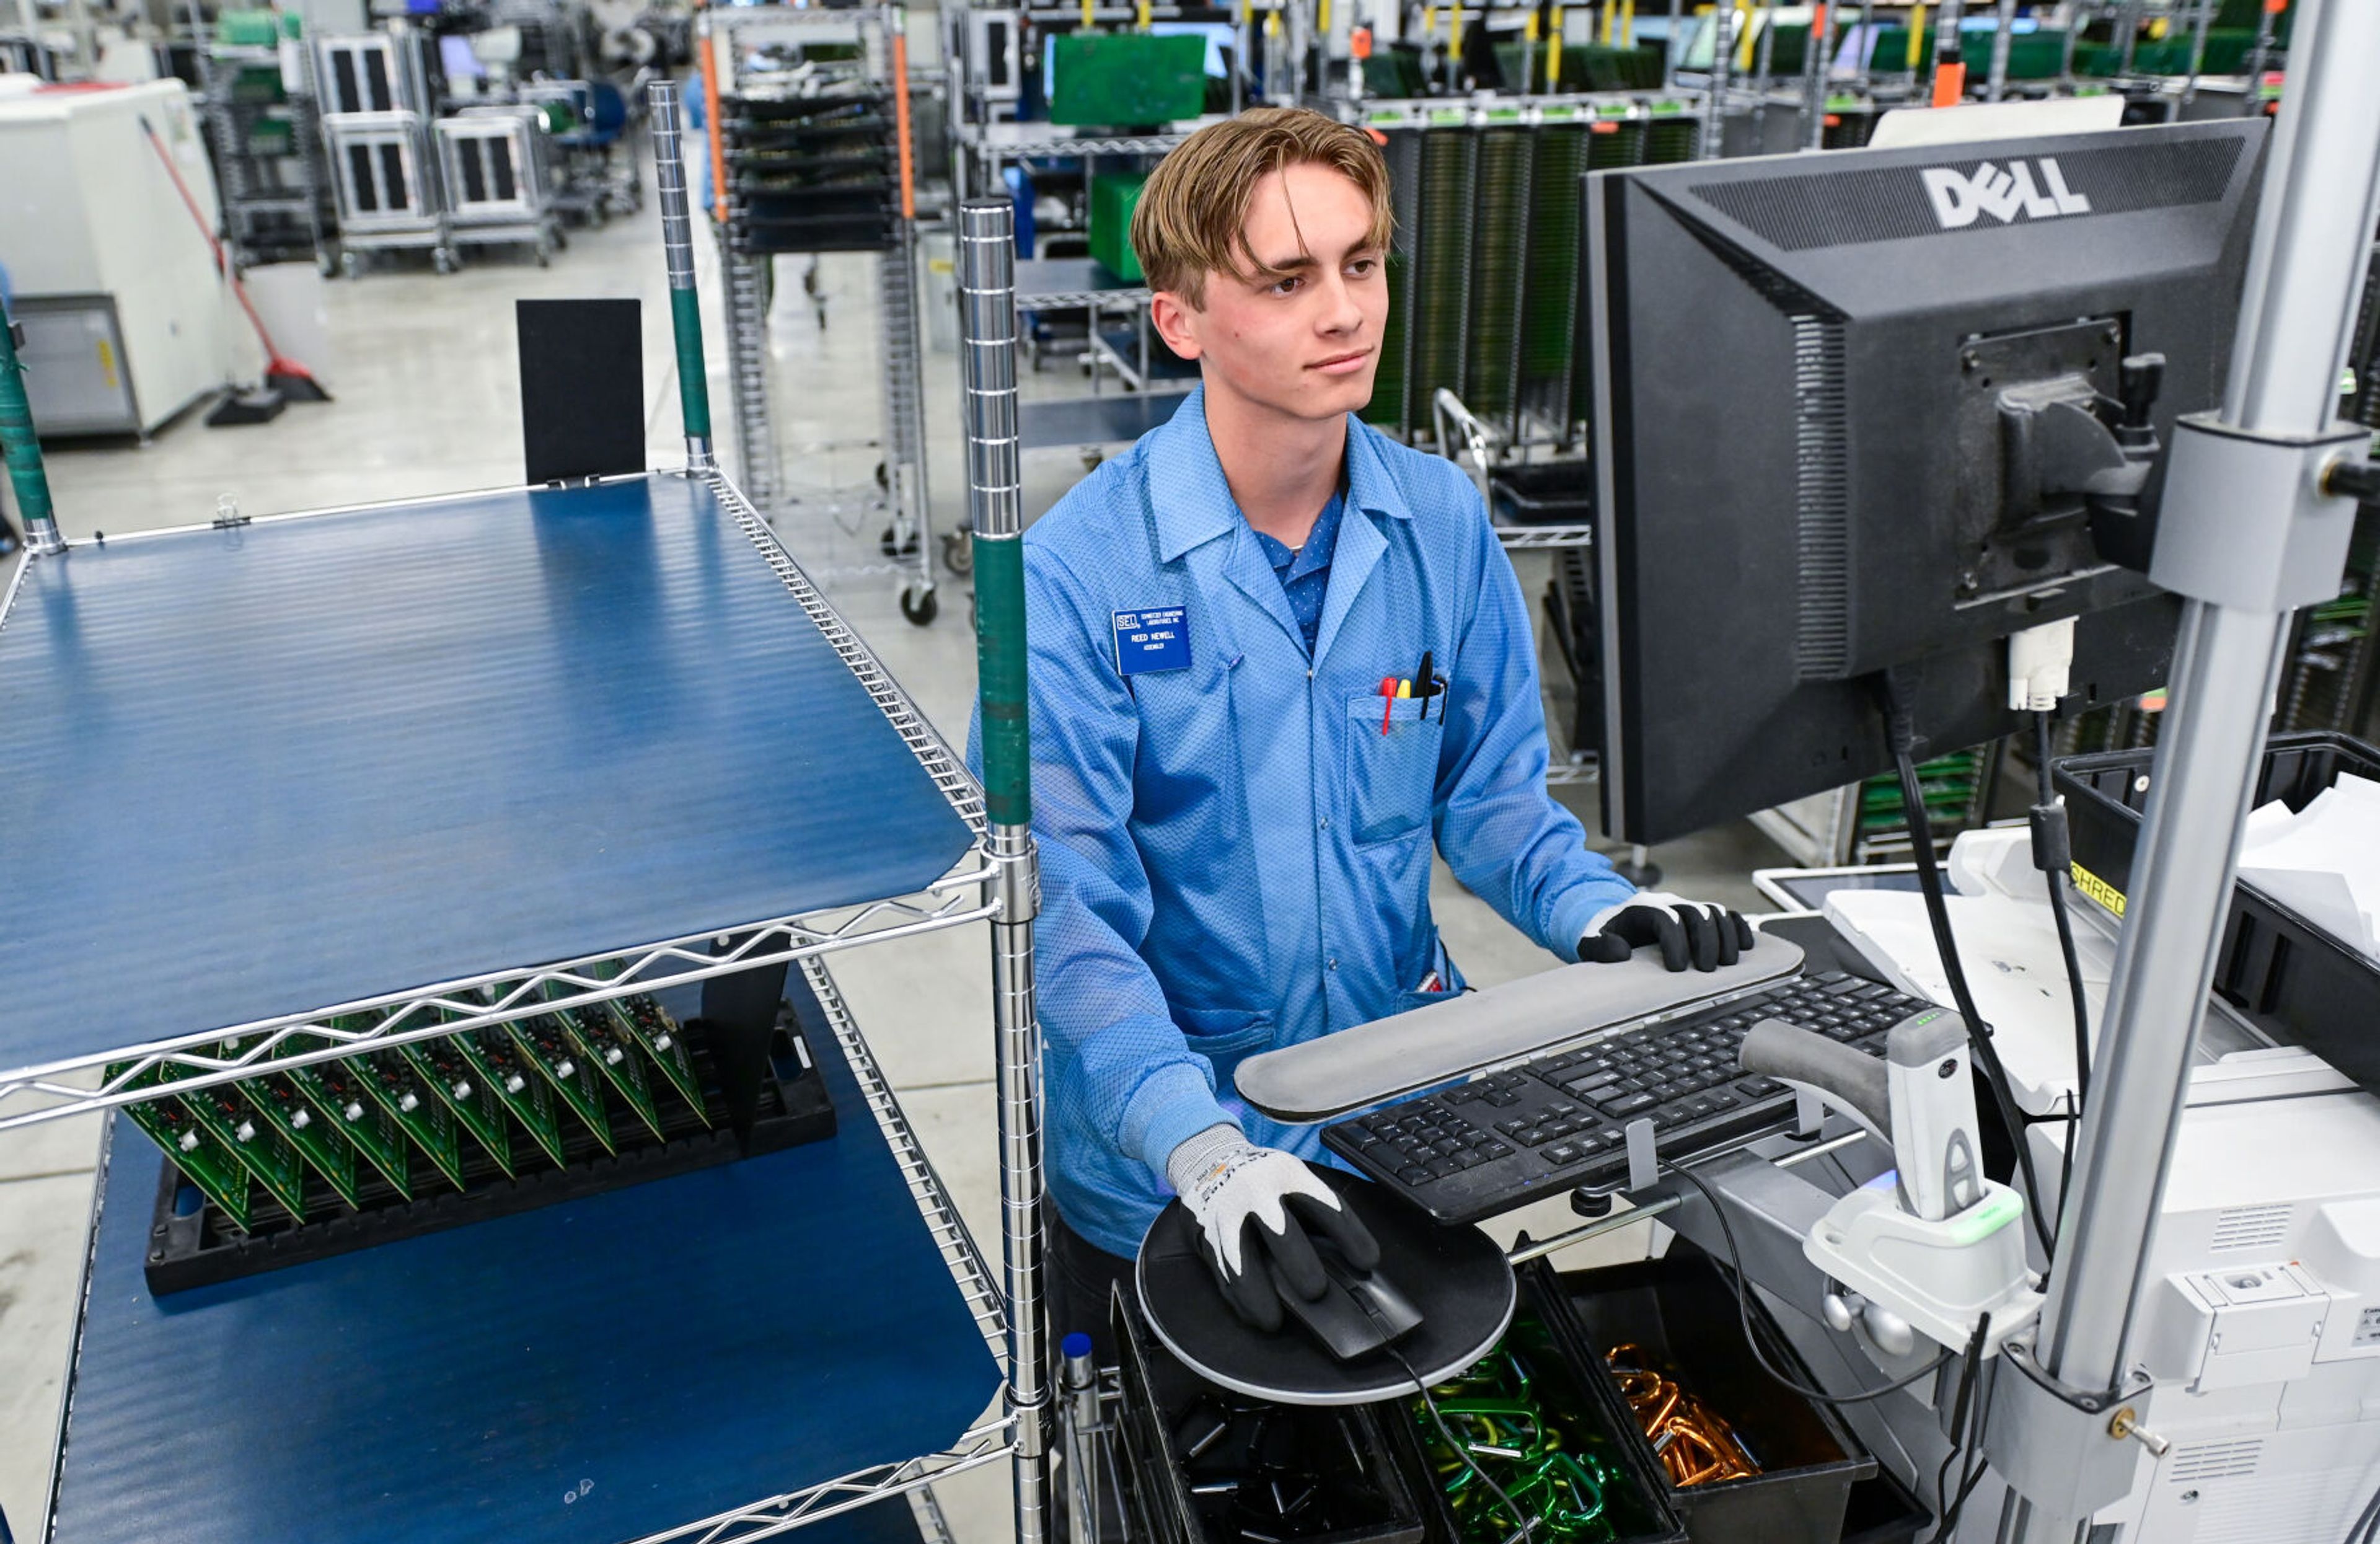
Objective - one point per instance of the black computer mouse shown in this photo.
(1358, 1312)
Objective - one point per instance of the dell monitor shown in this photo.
(1877, 411)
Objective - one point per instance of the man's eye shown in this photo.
(1362, 267)
(1288, 286)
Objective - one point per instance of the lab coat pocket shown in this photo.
(1391, 778)
(1226, 1037)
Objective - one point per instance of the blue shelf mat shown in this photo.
(283, 766)
(678, 1348)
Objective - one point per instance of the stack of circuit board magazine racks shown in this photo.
(407, 837)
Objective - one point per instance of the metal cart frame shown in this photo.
(880, 33)
(999, 884)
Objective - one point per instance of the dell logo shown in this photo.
(2002, 193)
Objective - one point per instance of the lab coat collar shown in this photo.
(1193, 502)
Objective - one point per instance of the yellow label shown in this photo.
(107, 362)
(1917, 35)
(1553, 56)
(1529, 27)
(1086, 14)
(1321, 18)
(1142, 16)
(2098, 890)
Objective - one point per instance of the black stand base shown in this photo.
(783, 1104)
(240, 409)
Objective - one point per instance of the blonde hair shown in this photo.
(1191, 218)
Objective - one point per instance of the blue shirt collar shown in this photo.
(1194, 503)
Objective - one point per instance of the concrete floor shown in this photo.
(426, 385)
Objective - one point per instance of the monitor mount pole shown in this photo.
(2253, 525)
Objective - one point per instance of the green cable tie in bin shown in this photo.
(693, 387)
(1000, 669)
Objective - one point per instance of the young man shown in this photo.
(1272, 654)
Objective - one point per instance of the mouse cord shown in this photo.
(1446, 1434)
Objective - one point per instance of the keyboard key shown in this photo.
(1562, 1154)
(1621, 1109)
(1759, 1088)
(1495, 1151)
(1415, 1175)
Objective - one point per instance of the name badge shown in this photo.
(1148, 640)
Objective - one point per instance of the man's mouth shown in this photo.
(1342, 364)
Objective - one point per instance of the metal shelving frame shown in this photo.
(998, 883)
(249, 206)
(880, 33)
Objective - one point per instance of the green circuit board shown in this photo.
(615, 1055)
(342, 1093)
(255, 1141)
(651, 1025)
(442, 1066)
(281, 1102)
(545, 1041)
(507, 1071)
(416, 1108)
(198, 1152)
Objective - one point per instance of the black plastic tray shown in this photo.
(2288, 977)
(1544, 494)
(1681, 1312)
(1155, 1482)
(192, 1243)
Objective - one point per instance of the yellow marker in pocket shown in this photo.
(1404, 690)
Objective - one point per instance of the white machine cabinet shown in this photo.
(127, 320)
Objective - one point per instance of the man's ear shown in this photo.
(1172, 314)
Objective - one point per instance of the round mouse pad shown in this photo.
(1456, 1276)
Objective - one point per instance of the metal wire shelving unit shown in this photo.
(995, 881)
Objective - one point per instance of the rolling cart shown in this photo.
(557, 787)
(809, 139)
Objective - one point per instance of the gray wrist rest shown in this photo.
(1328, 1077)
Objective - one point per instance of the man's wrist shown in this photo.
(1200, 1155)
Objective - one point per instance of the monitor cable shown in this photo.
(1902, 737)
(1751, 1338)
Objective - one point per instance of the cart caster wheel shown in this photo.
(918, 605)
(442, 260)
(883, 477)
(544, 256)
(327, 266)
(892, 544)
(958, 552)
(350, 265)
(1092, 456)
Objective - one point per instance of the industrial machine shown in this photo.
(127, 322)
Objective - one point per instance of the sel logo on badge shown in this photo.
(1158, 638)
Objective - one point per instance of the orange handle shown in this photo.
(1949, 84)
(710, 120)
(900, 123)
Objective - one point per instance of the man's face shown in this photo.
(1303, 340)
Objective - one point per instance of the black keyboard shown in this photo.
(1559, 1123)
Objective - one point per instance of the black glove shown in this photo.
(1690, 933)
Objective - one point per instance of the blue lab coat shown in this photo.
(1233, 856)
